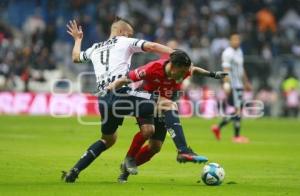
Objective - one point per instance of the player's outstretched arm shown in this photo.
(76, 32)
(203, 72)
(118, 83)
(133, 76)
(157, 48)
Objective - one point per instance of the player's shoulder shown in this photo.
(228, 51)
(155, 68)
(122, 38)
(157, 64)
(240, 51)
(126, 39)
(94, 45)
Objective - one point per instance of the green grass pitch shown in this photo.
(34, 150)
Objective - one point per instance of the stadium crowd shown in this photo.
(33, 36)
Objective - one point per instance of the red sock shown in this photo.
(144, 155)
(136, 144)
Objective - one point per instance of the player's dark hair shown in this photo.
(179, 58)
(232, 33)
(117, 19)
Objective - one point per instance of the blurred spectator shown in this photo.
(266, 20)
(269, 97)
(291, 19)
(34, 23)
(290, 88)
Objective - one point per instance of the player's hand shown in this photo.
(220, 74)
(227, 88)
(74, 30)
(102, 93)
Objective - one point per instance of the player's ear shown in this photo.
(120, 32)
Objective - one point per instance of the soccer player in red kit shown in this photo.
(164, 78)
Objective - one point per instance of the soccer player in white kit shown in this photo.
(234, 86)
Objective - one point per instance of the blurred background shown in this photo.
(35, 50)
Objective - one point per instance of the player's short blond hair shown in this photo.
(121, 23)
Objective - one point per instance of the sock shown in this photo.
(237, 126)
(227, 120)
(144, 155)
(175, 129)
(136, 144)
(224, 122)
(89, 156)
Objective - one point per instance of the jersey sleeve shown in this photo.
(136, 45)
(226, 59)
(85, 56)
(141, 73)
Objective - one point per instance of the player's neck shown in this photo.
(235, 48)
(114, 34)
(168, 69)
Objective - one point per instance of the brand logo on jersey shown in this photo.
(156, 80)
(108, 80)
(141, 74)
(171, 132)
(107, 42)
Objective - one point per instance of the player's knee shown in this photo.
(155, 146)
(155, 149)
(171, 106)
(174, 106)
(166, 104)
(109, 140)
(147, 130)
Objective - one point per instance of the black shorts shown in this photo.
(236, 98)
(114, 107)
(160, 128)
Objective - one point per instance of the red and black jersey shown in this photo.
(155, 78)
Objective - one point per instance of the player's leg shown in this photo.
(146, 130)
(216, 129)
(173, 126)
(136, 144)
(148, 151)
(237, 124)
(143, 108)
(238, 101)
(109, 126)
(155, 143)
(172, 122)
(89, 156)
(144, 154)
(238, 138)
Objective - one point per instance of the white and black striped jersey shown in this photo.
(234, 60)
(111, 58)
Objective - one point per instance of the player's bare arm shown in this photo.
(157, 48)
(76, 32)
(206, 73)
(118, 83)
